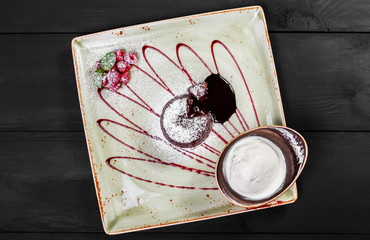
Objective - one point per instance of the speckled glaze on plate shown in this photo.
(131, 201)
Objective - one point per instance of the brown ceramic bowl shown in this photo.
(294, 149)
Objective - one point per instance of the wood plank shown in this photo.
(41, 93)
(92, 16)
(46, 183)
(182, 236)
(323, 79)
(46, 186)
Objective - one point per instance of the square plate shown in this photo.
(144, 187)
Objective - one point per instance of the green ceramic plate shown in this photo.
(149, 184)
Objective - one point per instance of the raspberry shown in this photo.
(125, 78)
(114, 80)
(131, 58)
(119, 55)
(114, 68)
(123, 66)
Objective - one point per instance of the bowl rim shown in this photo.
(251, 206)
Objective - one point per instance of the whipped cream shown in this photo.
(255, 167)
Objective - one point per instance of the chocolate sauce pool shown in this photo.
(220, 100)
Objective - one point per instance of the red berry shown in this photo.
(125, 78)
(131, 58)
(119, 55)
(114, 68)
(114, 80)
(123, 66)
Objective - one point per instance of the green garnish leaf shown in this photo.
(108, 61)
(99, 70)
(98, 78)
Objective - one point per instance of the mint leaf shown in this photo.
(98, 78)
(99, 70)
(108, 61)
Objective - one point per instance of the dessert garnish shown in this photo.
(113, 70)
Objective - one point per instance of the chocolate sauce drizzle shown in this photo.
(187, 152)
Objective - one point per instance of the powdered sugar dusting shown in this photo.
(295, 142)
(179, 127)
(199, 91)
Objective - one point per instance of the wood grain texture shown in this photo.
(91, 16)
(324, 81)
(46, 186)
(322, 55)
(45, 182)
(41, 91)
(142, 236)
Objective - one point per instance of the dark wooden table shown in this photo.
(322, 54)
